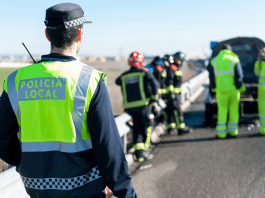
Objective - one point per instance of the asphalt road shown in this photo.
(199, 165)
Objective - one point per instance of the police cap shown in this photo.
(64, 15)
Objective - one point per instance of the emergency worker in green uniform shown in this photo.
(259, 70)
(226, 79)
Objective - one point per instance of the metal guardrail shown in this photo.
(10, 182)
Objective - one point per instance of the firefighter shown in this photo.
(160, 74)
(259, 70)
(139, 89)
(173, 83)
(226, 79)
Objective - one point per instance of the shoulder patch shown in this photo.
(159, 68)
(174, 67)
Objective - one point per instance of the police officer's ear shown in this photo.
(47, 36)
(79, 35)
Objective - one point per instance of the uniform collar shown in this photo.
(56, 57)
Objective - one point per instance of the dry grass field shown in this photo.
(113, 70)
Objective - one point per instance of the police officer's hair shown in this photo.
(62, 38)
(227, 47)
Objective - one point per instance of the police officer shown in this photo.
(139, 89)
(173, 83)
(259, 70)
(226, 79)
(62, 112)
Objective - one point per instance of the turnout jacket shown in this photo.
(69, 144)
(138, 88)
(174, 79)
(160, 74)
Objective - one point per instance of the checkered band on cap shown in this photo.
(61, 183)
(73, 23)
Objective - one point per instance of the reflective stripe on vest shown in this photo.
(231, 72)
(61, 183)
(13, 94)
(79, 101)
(131, 78)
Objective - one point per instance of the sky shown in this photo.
(121, 26)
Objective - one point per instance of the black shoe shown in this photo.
(184, 131)
(231, 136)
(172, 131)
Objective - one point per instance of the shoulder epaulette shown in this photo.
(159, 68)
(174, 67)
(145, 69)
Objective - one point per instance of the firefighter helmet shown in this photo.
(179, 55)
(168, 60)
(136, 59)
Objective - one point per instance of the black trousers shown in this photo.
(174, 113)
(141, 124)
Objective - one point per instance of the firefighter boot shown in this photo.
(147, 155)
(171, 131)
(142, 155)
(184, 131)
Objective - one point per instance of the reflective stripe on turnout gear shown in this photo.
(257, 70)
(182, 126)
(148, 137)
(170, 88)
(178, 73)
(139, 146)
(132, 79)
(136, 103)
(262, 117)
(164, 74)
(177, 90)
(172, 126)
(154, 97)
(61, 183)
(232, 128)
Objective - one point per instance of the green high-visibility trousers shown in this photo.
(261, 106)
(227, 102)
